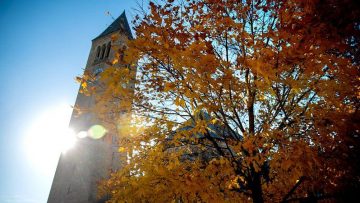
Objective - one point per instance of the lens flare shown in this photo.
(82, 134)
(97, 132)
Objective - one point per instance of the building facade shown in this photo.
(91, 160)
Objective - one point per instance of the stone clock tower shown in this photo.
(80, 168)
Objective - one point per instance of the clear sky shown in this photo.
(44, 44)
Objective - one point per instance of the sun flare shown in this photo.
(49, 136)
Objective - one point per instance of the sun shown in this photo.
(48, 136)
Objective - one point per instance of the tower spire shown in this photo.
(119, 24)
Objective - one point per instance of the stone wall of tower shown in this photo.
(80, 168)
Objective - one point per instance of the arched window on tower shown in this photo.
(103, 51)
(97, 52)
(108, 50)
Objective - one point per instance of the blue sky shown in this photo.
(44, 44)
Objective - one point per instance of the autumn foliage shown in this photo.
(237, 101)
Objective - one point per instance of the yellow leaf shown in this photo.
(115, 61)
(84, 85)
(168, 87)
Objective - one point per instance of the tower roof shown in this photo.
(120, 24)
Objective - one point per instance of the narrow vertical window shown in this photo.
(103, 51)
(98, 52)
(108, 50)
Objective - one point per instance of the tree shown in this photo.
(234, 101)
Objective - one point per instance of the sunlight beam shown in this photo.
(48, 136)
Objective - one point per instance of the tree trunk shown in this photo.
(256, 190)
